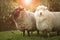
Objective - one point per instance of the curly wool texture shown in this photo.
(25, 21)
(44, 19)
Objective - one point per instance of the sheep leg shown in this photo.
(48, 34)
(31, 32)
(28, 33)
(44, 33)
(24, 33)
(58, 33)
(37, 32)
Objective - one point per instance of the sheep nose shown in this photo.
(40, 13)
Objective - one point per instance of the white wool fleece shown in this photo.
(44, 21)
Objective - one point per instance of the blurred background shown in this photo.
(6, 6)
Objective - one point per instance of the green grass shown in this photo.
(17, 35)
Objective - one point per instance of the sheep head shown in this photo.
(17, 11)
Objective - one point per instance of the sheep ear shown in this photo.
(40, 13)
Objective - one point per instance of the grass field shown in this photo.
(17, 35)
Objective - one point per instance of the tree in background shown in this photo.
(6, 23)
(54, 5)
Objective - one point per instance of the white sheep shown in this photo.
(44, 19)
(56, 22)
(24, 20)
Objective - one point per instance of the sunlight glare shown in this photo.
(27, 2)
